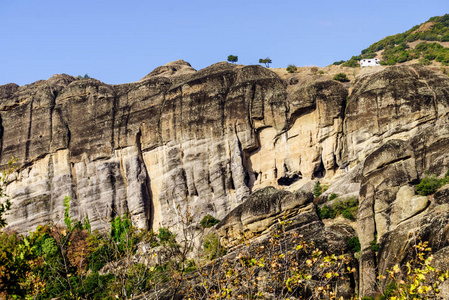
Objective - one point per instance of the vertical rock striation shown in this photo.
(203, 141)
(178, 139)
(397, 127)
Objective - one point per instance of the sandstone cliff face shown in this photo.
(402, 137)
(203, 141)
(176, 138)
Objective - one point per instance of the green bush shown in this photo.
(349, 213)
(317, 189)
(424, 62)
(332, 196)
(67, 217)
(341, 77)
(353, 62)
(83, 77)
(165, 235)
(354, 244)
(233, 58)
(347, 208)
(292, 69)
(190, 266)
(327, 212)
(429, 185)
(4, 207)
(212, 246)
(389, 291)
(337, 63)
(374, 245)
(120, 229)
(209, 221)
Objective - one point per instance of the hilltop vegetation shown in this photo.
(398, 49)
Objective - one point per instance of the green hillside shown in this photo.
(431, 47)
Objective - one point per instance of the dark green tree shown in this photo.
(3, 208)
(209, 221)
(317, 189)
(266, 61)
(3, 181)
(292, 68)
(341, 77)
(83, 77)
(233, 58)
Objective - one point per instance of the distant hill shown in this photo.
(426, 44)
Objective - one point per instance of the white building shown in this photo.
(370, 62)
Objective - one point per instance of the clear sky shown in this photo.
(122, 41)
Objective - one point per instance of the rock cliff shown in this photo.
(177, 137)
(206, 140)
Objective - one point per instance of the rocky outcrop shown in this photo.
(262, 209)
(176, 138)
(207, 141)
(402, 137)
(260, 214)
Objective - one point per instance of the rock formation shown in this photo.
(174, 138)
(181, 139)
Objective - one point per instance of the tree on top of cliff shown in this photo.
(83, 77)
(266, 61)
(233, 58)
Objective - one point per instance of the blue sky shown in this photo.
(122, 41)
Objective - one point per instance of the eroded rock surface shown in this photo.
(207, 141)
(402, 137)
(260, 215)
(174, 139)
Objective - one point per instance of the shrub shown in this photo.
(337, 63)
(353, 62)
(209, 221)
(165, 235)
(212, 247)
(332, 196)
(429, 185)
(190, 266)
(83, 77)
(233, 58)
(424, 62)
(267, 61)
(67, 218)
(354, 244)
(317, 190)
(341, 77)
(349, 214)
(327, 212)
(4, 207)
(347, 208)
(120, 229)
(292, 68)
(374, 245)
